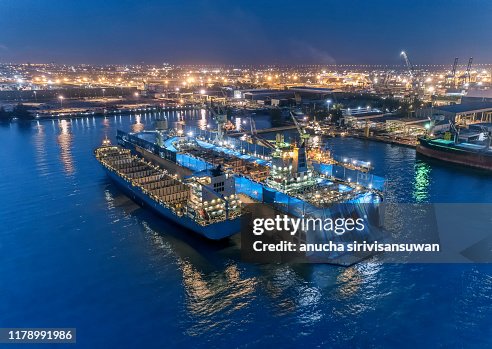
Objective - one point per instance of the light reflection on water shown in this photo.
(138, 126)
(212, 298)
(40, 147)
(421, 181)
(202, 122)
(64, 140)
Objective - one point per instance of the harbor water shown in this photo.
(75, 252)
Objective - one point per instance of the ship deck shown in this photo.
(333, 184)
(154, 182)
(151, 179)
(324, 193)
(461, 146)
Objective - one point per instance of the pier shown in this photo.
(264, 130)
(410, 143)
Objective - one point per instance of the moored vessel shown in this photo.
(471, 154)
(193, 205)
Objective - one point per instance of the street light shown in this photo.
(328, 102)
(103, 90)
(61, 101)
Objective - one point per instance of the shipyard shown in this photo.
(295, 178)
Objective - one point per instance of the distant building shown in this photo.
(284, 102)
(266, 94)
(463, 113)
(477, 96)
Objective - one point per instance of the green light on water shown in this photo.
(421, 182)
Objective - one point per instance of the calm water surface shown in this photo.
(75, 252)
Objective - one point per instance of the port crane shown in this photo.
(256, 138)
(220, 117)
(407, 63)
(411, 73)
(302, 133)
(468, 70)
(455, 64)
(452, 76)
(455, 131)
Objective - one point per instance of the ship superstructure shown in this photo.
(290, 170)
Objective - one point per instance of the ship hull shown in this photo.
(479, 160)
(215, 231)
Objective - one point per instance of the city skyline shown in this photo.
(218, 32)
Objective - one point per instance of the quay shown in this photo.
(264, 130)
(409, 143)
(47, 114)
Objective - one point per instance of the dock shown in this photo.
(264, 130)
(389, 140)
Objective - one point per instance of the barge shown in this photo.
(466, 154)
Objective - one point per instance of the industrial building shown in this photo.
(464, 113)
(473, 96)
(279, 97)
(263, 94)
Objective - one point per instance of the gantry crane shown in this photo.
(452, 79)
(468, 70)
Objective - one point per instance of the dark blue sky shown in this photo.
(245, 31)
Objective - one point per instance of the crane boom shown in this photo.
(304, 136)
(407, 62)
(296, 123)
(256, 137)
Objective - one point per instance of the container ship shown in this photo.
(205, 204)
(294, 177)
(476, 153)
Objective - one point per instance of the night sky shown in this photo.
(245, 31)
